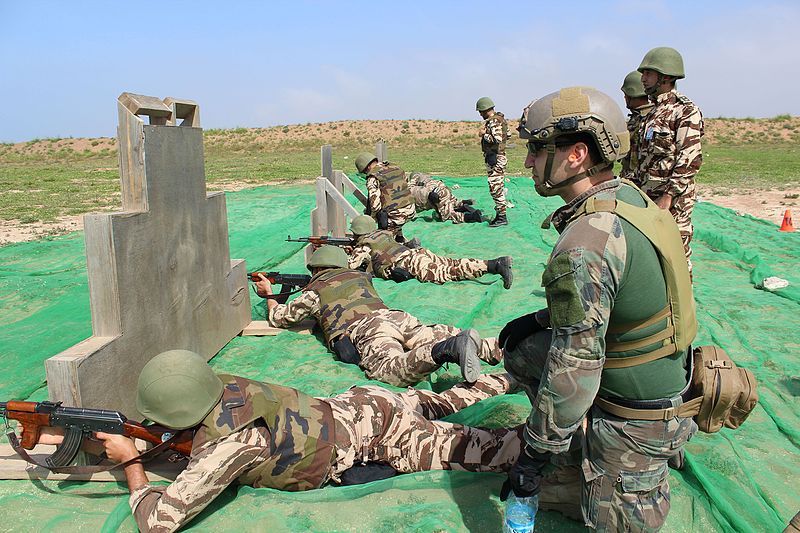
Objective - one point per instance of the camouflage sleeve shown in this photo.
(689, 156)
(211, 469)
(494, 131)
(290, 313)
(359, 256)
(581, 281)
(374, 196)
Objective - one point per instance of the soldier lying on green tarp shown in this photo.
(266, 435)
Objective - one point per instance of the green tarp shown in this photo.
(743, 480)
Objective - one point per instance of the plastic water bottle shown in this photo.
(520, 514)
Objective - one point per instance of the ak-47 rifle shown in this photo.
(290, 283)
(77, 423)
(319, 241)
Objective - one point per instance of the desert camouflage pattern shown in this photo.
(379, 252)
(377, 425)
(493, 145)
(446, 208)
(630, 162)
(670, 155)
(395, 346)
(387, 189)
(615, 468)
(369, 423)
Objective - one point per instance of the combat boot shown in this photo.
(464, 205)
(502, 266)
(462, 349)
(473, 215)
(498, 220)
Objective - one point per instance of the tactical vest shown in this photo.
(667, 333)
(393, 187)
(384, 251)
(301, 432)
(497, 148)
(345, 296)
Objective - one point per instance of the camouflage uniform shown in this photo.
(670, 156)
(394, 346)
(610, 472)
(631, 161)
(378, 251)
(265, 435)
(388, 190)
(448, 203)
(493, 145)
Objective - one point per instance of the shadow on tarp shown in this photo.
(743, 480)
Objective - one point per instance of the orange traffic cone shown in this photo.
(787, 221)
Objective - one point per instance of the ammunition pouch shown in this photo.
(400, 275)
(383, 219)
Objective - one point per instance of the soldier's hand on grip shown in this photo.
(525, 477)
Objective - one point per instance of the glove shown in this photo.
(525, 477)
(518, 329)
(433, 197)
(400, 275)
(383, 219)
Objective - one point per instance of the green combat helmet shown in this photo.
(328, 256)
(362, 225)
(484, 103)
(177, 389)
(664, 60)
(567, 112)
(363, 160)
(632, 86)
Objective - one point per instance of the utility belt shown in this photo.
(717, 394)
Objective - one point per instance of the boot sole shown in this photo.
(469, 361)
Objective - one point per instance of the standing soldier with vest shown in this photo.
(264, 435)
(390, 201)
(615, 335)
(390, 345)
(431, 193)
(639, 105)
(670, 154)
(385, 258)
(494, 134)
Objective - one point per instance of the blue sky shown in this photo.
(252, 64)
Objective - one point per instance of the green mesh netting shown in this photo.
(743, 480)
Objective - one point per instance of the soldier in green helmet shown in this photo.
(606, 362)
(391, 203)
(377, 252)
(493, 135)
(390, 345)
(639, 105)
(264, 435)
(669, 151)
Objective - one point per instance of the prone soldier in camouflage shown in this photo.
(670, 153)
(391, 203)
(493, 135)
(639, 105)
(264, 435)
(615, 333)
(431, 193)
(378, 253)
(390, 345)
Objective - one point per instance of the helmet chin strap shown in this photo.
(548, 188)
(653, 91)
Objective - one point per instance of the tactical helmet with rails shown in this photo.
(327, 256)
(362, 225)
(555, 119)
(664, 60)
(484, 103)
(632, 86)
(177, 389)
(363, 160)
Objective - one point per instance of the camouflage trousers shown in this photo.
(614, 478)
(496, 177)
(395, 347)
(374, 424)
(681, 210)
(446, 208)
(426, 266)
(399, 217)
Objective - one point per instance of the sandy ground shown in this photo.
(769, 205)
